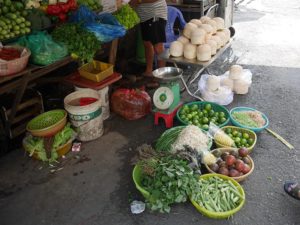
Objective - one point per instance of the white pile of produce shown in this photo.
(201, 39)
(195, 138)
(220, 89)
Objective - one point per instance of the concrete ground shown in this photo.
(94, 187)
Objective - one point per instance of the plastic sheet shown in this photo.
(131, 104)
(44, 50)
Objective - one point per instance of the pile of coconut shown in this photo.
(201, 39)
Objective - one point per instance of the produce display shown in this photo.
(234, 163)
(61, 10)
(249, 118)
(169, 180)
(201, 117)
(241, 139)
(40, 147)
(127, 17)
(201, 39)
(80, 42)
(12, 20)
(91, 4)
(217, 195)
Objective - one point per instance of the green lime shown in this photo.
(244, 141)
(189, 116)
(205, 127)
(205, 120)
(194, 107)
(183, 117)
(216, 114)
(222, 120)
(200, 114)
(221, 114)
(228, 130)
(211, 113)
(240, 135)
(237, 140)
(245, 135)
(205, 112)
(207, 107)
(250, 141)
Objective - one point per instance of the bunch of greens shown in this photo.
(127, 17)
(80, 42)
(35, 145)
(169, 180)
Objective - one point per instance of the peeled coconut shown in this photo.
(213, 83)
(241, 87)
(176, 49)
(208, 37)
(204, 52)
(190, 51)
(235, 72)
(213, 46)
(213, 24)
(183, 40)
(195, 21)
(198, 36)
(220, 23)
(222, 37)
(227, 34)
(204, 18)
(227, 82)
(189, 27)
(218, 40)
(208, 28)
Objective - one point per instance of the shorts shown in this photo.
(154, 30)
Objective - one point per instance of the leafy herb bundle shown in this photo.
(169, 180)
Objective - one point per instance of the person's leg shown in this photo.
(159, 48)
(292, 189)
(149, 55)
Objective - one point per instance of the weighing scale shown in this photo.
(166, 98)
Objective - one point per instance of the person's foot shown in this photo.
(292, 189)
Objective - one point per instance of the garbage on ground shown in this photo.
(137, 207)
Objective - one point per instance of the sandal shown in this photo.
(292, 189)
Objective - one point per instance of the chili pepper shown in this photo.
(64, 7)
(72, 4)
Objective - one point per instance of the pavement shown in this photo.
(94, 186)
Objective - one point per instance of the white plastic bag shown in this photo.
(222, 96)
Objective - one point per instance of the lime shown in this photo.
(230, 135)
(216, 114)
(205, 120)
(237, 140)
(222, 120)
(240, 135)
(228, 130)
(250, 141)
(205, 127)
(244, 141)
(211, 113)
(207, 107)
(245, 135)
(235, 133)
(205, 112)
(200, 114)
(183, 117)
(221, 114)
(194, 107)
(189, 116)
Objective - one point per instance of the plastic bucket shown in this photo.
(104, 98)
(87, 119)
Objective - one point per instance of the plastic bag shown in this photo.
(222, 96)
(105, 32)
(83, 15)
(44, 50)
(107, 18)
(130, 103)
(220, 136)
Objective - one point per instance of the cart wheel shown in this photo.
(4, 140)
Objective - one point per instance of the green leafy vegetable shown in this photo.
(79, 41)
(127, 17)
(168, 180)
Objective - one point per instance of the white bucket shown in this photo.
(103, 93)
(87, 119)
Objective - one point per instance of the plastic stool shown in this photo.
(168, 118)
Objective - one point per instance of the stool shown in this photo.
(168, 118)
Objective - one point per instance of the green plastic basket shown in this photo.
(216, 107)
(137, 176)
(220, 215)
(48, 123)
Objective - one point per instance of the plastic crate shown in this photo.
(96, 70)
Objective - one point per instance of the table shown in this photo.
(201, 66)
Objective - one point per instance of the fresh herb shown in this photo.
(79, 41)
(169, 180)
